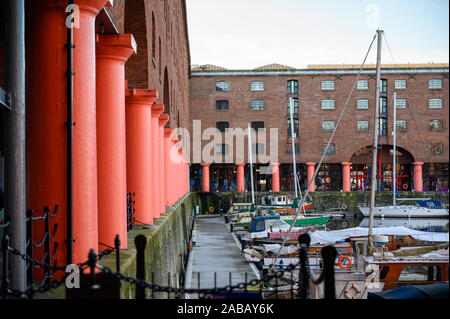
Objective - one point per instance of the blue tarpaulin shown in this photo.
(428, 291)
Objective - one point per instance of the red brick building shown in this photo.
(233, 98)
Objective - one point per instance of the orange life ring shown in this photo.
(341, 264)
(355, 289)
(211, 209)
(405, 186)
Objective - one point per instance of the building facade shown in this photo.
(232, 99)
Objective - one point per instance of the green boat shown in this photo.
(306, 221)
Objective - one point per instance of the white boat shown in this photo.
(422, 209)
(435, 224)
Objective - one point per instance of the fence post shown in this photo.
(47, 275)
(92, 262)
(304, 241)
(29, 250)
(329, 254)
(140, 241)
(5, 280)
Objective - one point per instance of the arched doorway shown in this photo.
(360, 170)
(136, 68)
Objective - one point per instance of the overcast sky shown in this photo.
(244, 34)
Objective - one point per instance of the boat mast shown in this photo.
(251, 162)
(375, 142)
(291, 111)
(394, 151)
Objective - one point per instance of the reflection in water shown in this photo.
(422, 224)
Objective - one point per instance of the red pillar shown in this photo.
(157, 110)
(205, 177)
(240, 177)
(112, 53)
(138, 129)
(418, 183)
(310, 174)
(275, 177)
(346, 176)
(168, 166)
(163, 119)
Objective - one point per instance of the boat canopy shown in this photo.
(323, 237)
(258, 223)
(426, 291)
(432, 204)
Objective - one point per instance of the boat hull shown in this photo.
(320, 220)
(404, 212)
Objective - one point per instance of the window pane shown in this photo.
(327, 104)
(435, 84)
(382, 126)
(295, 127)
(296, 149)
(331, 149)
(257, 149)
(295, 102)
(435, 103)
(328, 125)
(257, 105)
(222, 126)
(400, 84)
(257, 86)
(436, 125)
(383, 86)
(292, 86)
(383, 104)
(221, 86)
(362, 104)
(362, 85)
(222, 149)
(222, 105)
(401, 125)
(400, 103)
(363, 125)
(327, 85)
(257, 125)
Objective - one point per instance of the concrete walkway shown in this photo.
(216, 251)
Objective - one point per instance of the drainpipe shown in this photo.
(15, 183)
(70, 73)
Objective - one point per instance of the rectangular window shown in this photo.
(436, 125)
(400, 84)
(328, 125)
(331, 149)
(221, 105)
(295, 128)
(362, 85)
(222, 126)
(362, 104)
(327, 104)
(435, 84)
(436, 148)
(222, 149)
(257, 149)
(257, 86)
(327, 85)
(257, 126)
(256, 105)
(295, 106)
(383, 105)
(292, 87)
(221, 86)
(362, 126)
(400, 104)
(382, 126)
(400, 125)
(296, 149)
(435, 103)
(383, 86)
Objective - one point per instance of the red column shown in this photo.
(112, 53)
(275, 177)
(157, 110)
(138, 129)
(163, 119)
(346, 176)
(418, 184)
(240, 177)
(310, 173)
(205, 177)
(168, 166)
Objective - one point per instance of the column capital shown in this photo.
(275, 164)
(205, 164)
(115, 46)
(157, 109)
(141, 96)
(418, 163)
(310, 164)
(94, 6)
(346, 164)
(163, 119)
(240, 164)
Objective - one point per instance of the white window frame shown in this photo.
(362, 87)
(431, 84)
(362, 107)
(257, 86)
(328, 125)
(259, 107)
(325, 106)
(327, 85)
(222, 88)
(401, 105)
(398, 86)
(358, 128)
(431, 103)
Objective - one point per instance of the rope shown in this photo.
(324, 153)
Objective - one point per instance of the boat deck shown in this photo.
(215, 255)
